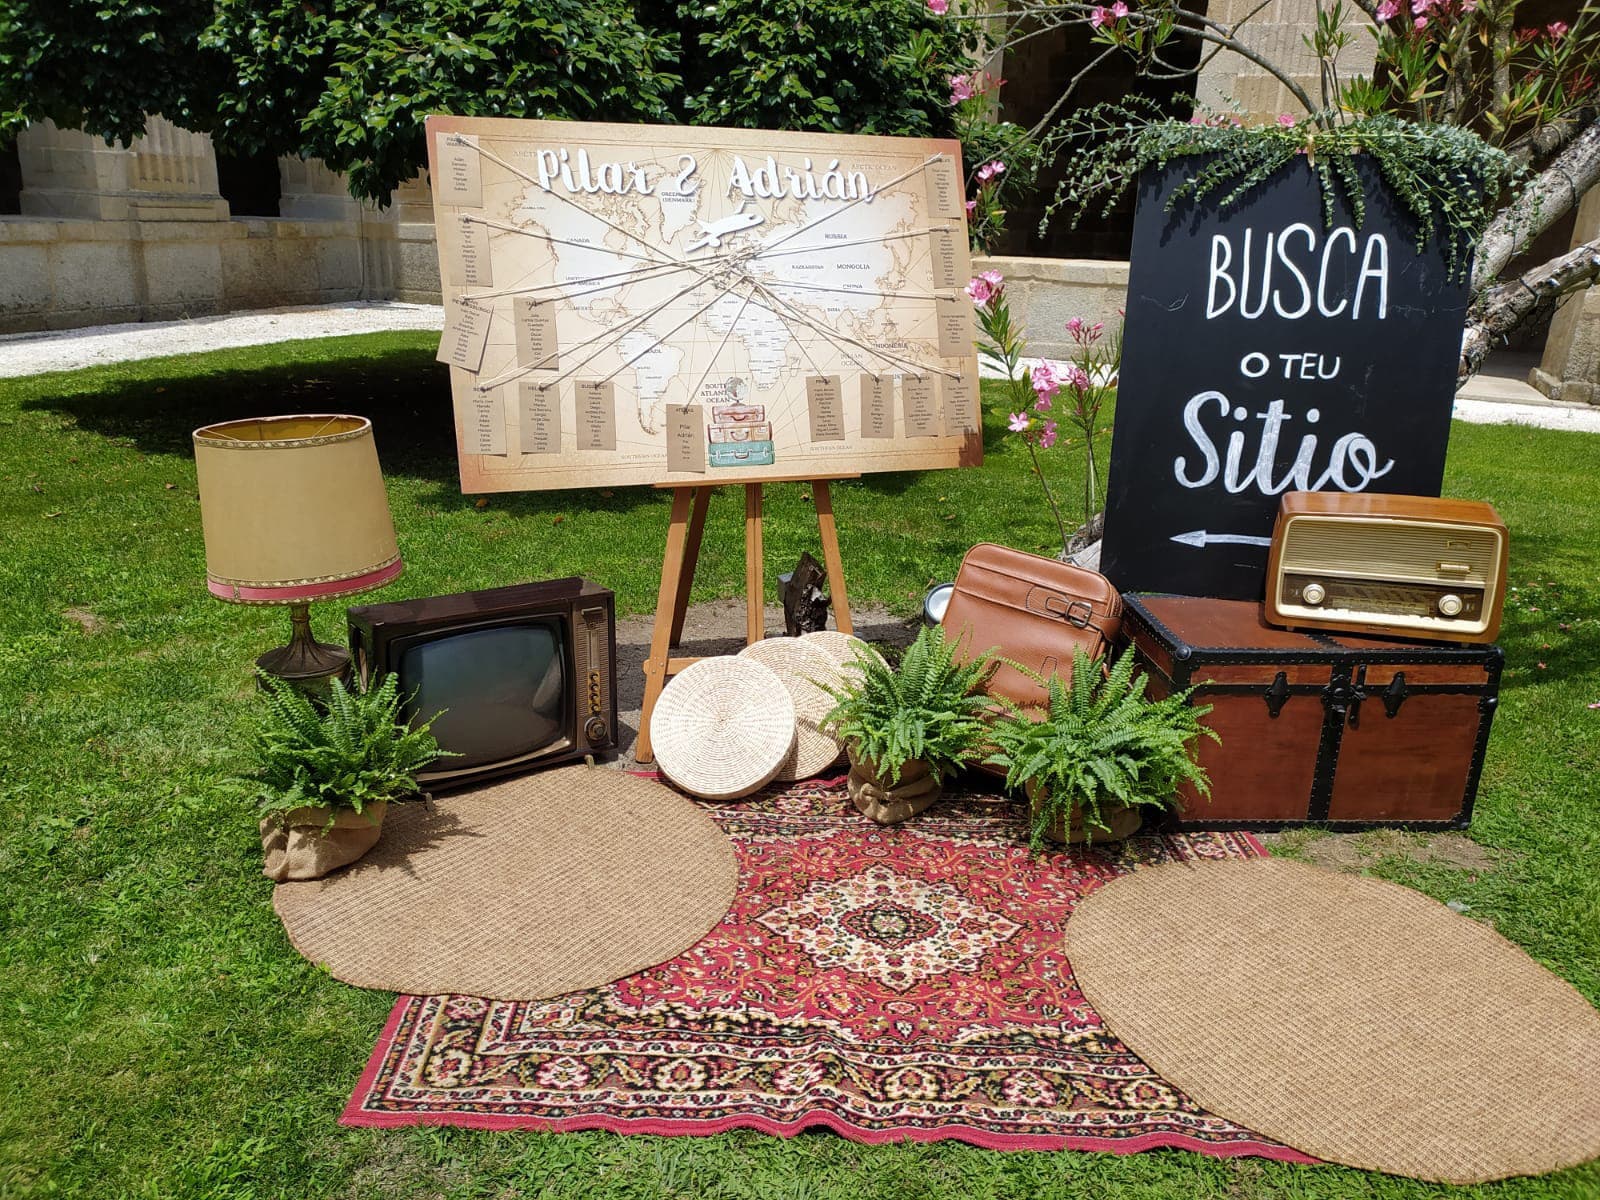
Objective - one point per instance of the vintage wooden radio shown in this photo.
(1407, 566)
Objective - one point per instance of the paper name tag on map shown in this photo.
(877, 405)
(921, 406)
(953, 317)
(460, 170)
(944, 189)
(486, 427)
(471, 265)
(466, 333)
(686, 438)
(961, 405)
(951, 264)
(535, 324)
(597, 415)
(541, 418)
(827, 408)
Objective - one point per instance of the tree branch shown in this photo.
(1555, 191)
(1506, 307)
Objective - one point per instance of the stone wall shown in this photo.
(1046, 293)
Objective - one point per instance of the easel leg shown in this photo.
(655, 667)
(831, 559)
(754, 588)
(691, 557)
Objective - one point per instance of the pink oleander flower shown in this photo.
(1099, 17)
(1048, 437)
(1075, 326)
(1042, 404)
(981, 290)
(1077, 378)
(938, 7)
(1420, 23)
(1045, 382)
(993, 278)
(1119, 10)
(989, 170)
(961, 88)
(1557, 30)
(972, 207)
(1286, 120)
(1388, 10)
(1019, 423)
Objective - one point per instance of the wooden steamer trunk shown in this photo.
(1320, 727)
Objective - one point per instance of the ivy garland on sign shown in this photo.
(1447, 178)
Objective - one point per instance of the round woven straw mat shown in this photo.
(843, 648)
(801, 666)
(1353, 1019)
(722, 728)
(546, 884)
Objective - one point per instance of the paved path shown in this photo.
(1491, 399)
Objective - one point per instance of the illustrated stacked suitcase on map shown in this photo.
(739, 436)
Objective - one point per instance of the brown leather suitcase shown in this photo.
(1318, 727)
(1034, 611)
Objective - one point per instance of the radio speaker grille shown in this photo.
(1390, 549)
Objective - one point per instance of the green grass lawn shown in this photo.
(161, 1038)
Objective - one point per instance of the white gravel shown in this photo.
(97, 345)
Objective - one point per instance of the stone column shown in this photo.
(168, 174)
(1570, 368)
(1276, 33)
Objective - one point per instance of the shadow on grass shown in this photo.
(404, 393)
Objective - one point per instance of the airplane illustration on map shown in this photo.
(712, 232)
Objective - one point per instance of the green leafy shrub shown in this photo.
(1100, 743)
(866, 66)
(352, 755)
(928, 709)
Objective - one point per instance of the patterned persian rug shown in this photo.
(892, 983)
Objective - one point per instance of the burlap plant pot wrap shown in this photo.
(886, 803)
(301, 844)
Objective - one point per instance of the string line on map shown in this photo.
(695, 390)
(812, 249)
(659, 254)
(507, 227)
(856, 291)
(918, 369)
(795, 333)
(616, 335)
(882, 187)
(626, 363)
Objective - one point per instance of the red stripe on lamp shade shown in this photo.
(296, 593)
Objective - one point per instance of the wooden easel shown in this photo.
(684, 531)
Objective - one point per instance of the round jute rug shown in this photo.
(551, 883)
(1350, 1018)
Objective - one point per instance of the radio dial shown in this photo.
(1450, 605)
(1313, 593)
(596, 731)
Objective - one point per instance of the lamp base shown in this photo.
(306, 663)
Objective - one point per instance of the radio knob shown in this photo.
(1450, 605)
(1313, 593)
(596, 731)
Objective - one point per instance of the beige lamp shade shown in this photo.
(293, 509)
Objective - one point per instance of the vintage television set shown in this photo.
(523, 676)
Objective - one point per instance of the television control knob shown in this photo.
(596, 732)
(1450, 605)
(1313, 593)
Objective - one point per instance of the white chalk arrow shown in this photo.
(1200, 539)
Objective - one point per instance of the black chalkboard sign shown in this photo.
(1265, 351)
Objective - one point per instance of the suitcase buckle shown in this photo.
(1077, 613)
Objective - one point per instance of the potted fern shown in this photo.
(1101, 751)
(908, 726)
(325, 776)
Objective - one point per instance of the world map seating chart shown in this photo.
(679, 305)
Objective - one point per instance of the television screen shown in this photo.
(501, 691)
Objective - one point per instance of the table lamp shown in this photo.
(293, 510)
